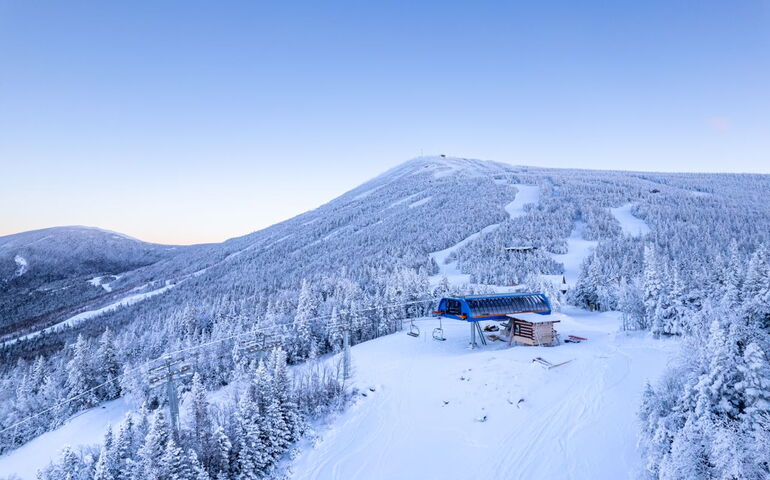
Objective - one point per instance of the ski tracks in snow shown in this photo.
(577, 421)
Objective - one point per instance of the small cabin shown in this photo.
(521, 249)
(531, 328)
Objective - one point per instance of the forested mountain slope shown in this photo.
(354, 258)
(48, 273)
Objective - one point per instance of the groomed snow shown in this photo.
(440, 410)
(526, 194)
(629, 223)
(86, 428)
(577, 250)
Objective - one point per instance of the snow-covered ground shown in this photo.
(21, 265)
(84, 429)
(100, 281)
(631, 224)
(526, 194)
(424, 417)
(577, 250)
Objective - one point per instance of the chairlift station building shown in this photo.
(522, 309)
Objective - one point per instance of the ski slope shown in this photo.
(525, 194)
(424, 417)
(578, 249)
(629, 223)
(84, 429)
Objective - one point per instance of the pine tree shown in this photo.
(333, 333)
(304, 343)
(281, 388)
(757, 289)
(174, 465)
(106, 465)
(38, 375)
(153, 449)
(716, 394)
(102, 470)
(124, 450)
(651, 282)
(754, 386)
(197, 471)
(80, 377)
(631, 304)
(585, 289)
(688, 458)
(733, 281)
(108, 365)
(220, 461)
(200, 418)
(679, 310)
(251, 460)
(71, 466)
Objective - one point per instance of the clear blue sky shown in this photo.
(186, 121)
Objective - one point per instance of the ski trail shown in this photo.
(630, 223)
(577, 250)
(525, 194)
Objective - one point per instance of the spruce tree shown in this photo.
(304, 341)
(754, 386)
(153, 449)
(80, 376)
(108, 365)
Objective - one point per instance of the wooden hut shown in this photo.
(521, 249)
(531, 328)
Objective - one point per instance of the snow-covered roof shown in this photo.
(535, 317)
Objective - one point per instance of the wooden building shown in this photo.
(531, 329)
(521, 249)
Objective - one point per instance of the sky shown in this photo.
(186, 122)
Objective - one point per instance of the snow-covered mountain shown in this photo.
(48, 273)
(660, 248)
(391, 223)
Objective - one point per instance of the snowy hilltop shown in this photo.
(652, 263)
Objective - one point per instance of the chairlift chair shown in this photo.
(414, 331)
(438, 332)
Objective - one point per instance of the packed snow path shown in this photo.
(84, 429)
(629, 223)
(440, 410)
(578, 249)
(525, 194)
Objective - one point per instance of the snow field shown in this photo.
(424, 417)
(84, 429)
